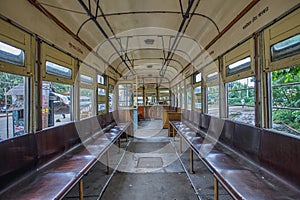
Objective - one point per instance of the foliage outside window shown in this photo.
(86, 102)
(12, 105)
(213, 100)
(125, 95)
(286, 100)
(197, 98)
(241, 97)
(56, 104)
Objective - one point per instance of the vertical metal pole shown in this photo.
(191, 162)
(6, 111)
(81, 189)
(216, 188)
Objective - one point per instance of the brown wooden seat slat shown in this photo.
(243, 158)
(53, 160)
(43, 186)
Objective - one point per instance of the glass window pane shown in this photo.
(56, 104)
(286, 100)
(241, 97)
(125, 95)
(12, 105)
(86, 79)
(11, 54)
(239, 66)
(86, 102)
(58, 70)
(198, 78)
(100, 79)
(213, 100)
(286, 48)
(197, 98)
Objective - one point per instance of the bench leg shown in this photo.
(81, 189)
(107, 162)
(192, 162)
(119, 144)
(180, 144)
(216, 188)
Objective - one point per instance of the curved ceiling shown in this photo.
(132, 35)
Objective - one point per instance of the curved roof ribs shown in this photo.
(94, 19)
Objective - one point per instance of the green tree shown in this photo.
(286, 94)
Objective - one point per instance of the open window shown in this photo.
(16, 74)
(87, 91)
(282, 51)
(238, 74)
(58, 75)
(211, 82)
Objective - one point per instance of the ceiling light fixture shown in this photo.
(149, 41)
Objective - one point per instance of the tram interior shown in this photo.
(136, 99)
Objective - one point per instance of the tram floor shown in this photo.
(149, 167)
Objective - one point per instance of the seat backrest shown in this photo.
(204, 122)
(196, 118)
(50, 144)
(18, 157)
(215, 127)
(71, 138)
(246, 138)
(227, 133)
(84, 129)
(281, 152)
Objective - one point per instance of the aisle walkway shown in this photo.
(150, 168)
(147, 167)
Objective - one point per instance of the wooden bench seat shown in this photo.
(47, 164)
(248, 161)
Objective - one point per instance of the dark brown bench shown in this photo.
(251, 163)
(47, 164)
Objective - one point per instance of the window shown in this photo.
(86, 102)
(86, 92)
(13, 103)
(57, 70)
(111, 98)
(11, 54)
(86, 80)
(101, 79)
(213, 100)
(125, 94)
(56, 103)
(164, 96)
(197, 78)
(182, 94)
(240, 98)
(197, 98)
(285, 48)
(239, 66)
(286, 100)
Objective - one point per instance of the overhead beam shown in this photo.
(94, 19)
